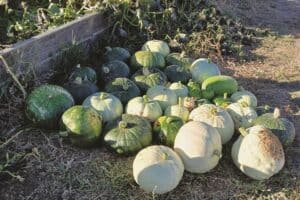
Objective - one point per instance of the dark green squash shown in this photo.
(46, 104)
(80, 89)
(281, 127)
(148, 77)
(147, 59)
(114, 69)
(123, 88)
(116, 53)
(260, 110)
(166, 129)
(179, 59)
(194, 89)
(176, 73)
(128, 134)
(85, 73)
(82, 125)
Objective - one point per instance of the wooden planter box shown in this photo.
(42, 50)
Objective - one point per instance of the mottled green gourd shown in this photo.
(281, 127)
(114, 69)
(46, 104)
(176, 73)
(220, 85)
(166, 129)
(85, 73)
(116, 53)
(128, 134)
(147, 59)
(194, 89)
(158, 46)
(81, 125)
(148, 77)
(123, 88)
(179, 59)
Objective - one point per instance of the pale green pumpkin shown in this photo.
(163, 95)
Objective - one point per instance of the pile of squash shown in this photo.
(174, 112)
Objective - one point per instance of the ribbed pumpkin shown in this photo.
(166, 129)
(178, 110)
(241, 114)
(147, 59)
(116, 53)
(216, 117)
(180, 89)
(258, 153)
(244, 96)
(203, 68)
(281, 127)
(163, 95)
(123, 88)
(176, 73)
(158, 46)
(144, 107)
(81, 125)
(107, 105)
(148, 77)
(114, 69)
(85, 73)
(46, 104)
(157, 169)
(199, 146)
(128, 134)
(179, 59)
(220, 85)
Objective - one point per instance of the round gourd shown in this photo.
(46, 104)
(217, 118)
(80, 89)
(244, 97)
(163, 95)
(116, 53)
(175, 73)
(82, 125)
(157, 169)
(199, 146)
(194, 89)
(241, 114)
(123, 88)
(166, 129)
(222, 101)
(85, 73)
(281, 127)
(128, 134)
(220, 85)
(148, 77)
(107, 105)
(114, 69)
(147, 59)
(178, 110)
(180, 60)
(180, 89)
(158, 46)
(203, 68)
(258, 153)
(143, 107)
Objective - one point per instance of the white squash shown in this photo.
(202, 69)
(158, 46)
(241, 114)
(107, 105)
(216, 117)
(180, 89)
(163, 95)
(141, 106)
(199, 146)
(178, 110)
(157, 169)
(246, 97)
(258, 153)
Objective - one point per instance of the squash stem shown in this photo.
(122, 124)
(243, 131)
(106, 70)
(276, 113)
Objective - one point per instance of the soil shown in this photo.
(55, 170)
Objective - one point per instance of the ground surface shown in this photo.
(55, 170)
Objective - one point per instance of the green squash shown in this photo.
(147, 59)
(85, 73)
(222, 101)
(46, 104)
(178, 110)
(244, 96)
(123, 88)
(194, 89)
(128, 134)
(116, 53)
(202, 69)
(220, 85)
(158, 46)
(180, 89)
(175, 73)
(81, 125)
(180, 60)
(281, 127)
(163, 95)
(80, 89)
(166, 128)
(107, 105)
(114, 69)
(148, 77)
